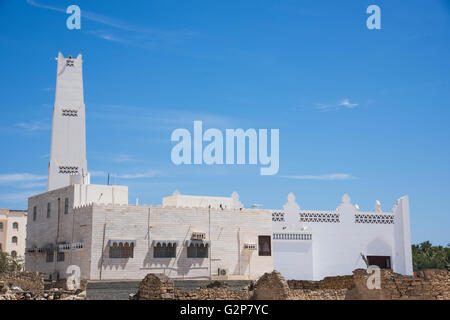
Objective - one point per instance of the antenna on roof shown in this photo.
(108, 179)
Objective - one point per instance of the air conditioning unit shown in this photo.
(223, 272)
(198, 236)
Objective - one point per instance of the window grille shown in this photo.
(319, 217)
(69, 113)
(197, 251)
(374, 218)
(49, 256)
(278, 216)
(68, 169)
(60, 256)
(164, 251)
(117, 251)
(66, 205)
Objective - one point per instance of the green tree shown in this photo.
(427, 256)
(10, 263)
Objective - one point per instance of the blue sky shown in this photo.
(363, 112)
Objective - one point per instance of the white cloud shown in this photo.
(346, 103)
(32, 185)
(20, 177)
(148, 174)
(340, 105)
(329, 177)
(19, 197)
(140, 175)
(123, 158)
(33, 125)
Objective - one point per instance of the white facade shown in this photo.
(84, 235)
(312, 244)
(68, 147)
(13, 226)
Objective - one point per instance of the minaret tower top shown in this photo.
(68, 147)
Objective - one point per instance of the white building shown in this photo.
(313, 244)
(13, 226)
(94, 228)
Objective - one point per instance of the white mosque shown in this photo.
(94, 228)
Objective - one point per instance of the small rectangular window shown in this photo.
(34, 213)
(164, 251)
(60, 256)
(49, 256)
(66, 205)
(48, 210)
(1, 225)
(264, 246)
(384, 262)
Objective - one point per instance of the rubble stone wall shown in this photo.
(428, 284)
(26, 280)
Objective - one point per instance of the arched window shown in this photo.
(14, 239)
(13, 254)
(16, 225)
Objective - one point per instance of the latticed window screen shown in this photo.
(68, 169)
(69, 113)
(121, 251)
(264, 246)
(69, 62)
(197, 251)
(164, 251)
(278, 216)
(375, 218)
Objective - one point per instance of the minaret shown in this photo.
(68, 151)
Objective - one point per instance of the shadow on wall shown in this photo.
(111, 263)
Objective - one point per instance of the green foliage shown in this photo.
(9, 263)
(427, 256)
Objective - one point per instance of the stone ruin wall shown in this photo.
(427, 285)
(26, 280)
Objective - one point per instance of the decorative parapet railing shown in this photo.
(292, 236)
(278, 216)
(374, 218)
(327, 217)
(309, 216)
(78, 246)
(63, 247)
